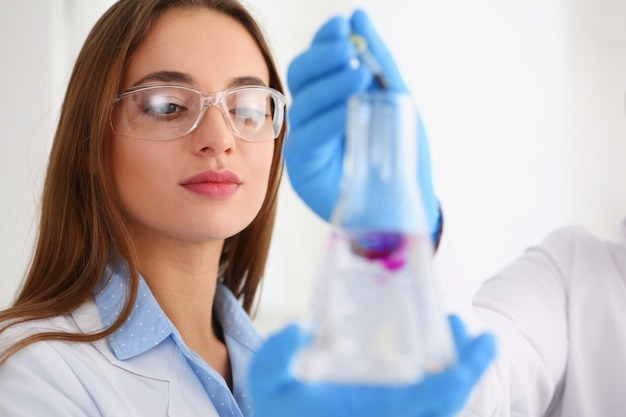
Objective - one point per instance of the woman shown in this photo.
(157, 214)
(130, 211)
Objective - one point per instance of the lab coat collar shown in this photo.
(150, 365)
(165, 359)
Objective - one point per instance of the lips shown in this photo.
(213, 184)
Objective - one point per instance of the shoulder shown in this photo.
(84, 319)
(570, 243)
(20, 331)
(41, 359)
(43, 377)
(556, 258)
(55, 369)
(572, 235)
(35, 358)
(573, 252)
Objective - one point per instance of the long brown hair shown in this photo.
(81, 228)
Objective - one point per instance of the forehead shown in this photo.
(213, 48)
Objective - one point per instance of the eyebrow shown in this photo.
(249, 80)
(167, 77)
(186, 78)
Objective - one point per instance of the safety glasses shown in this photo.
(168, 112)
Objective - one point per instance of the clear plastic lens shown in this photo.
(253, 113)
(250, 112)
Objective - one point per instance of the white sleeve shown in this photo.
(525, 307)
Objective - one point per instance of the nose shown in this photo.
(213, 135)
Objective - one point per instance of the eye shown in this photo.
(248, 106)
(249, 115)
(164, 107)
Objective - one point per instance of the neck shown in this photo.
(183, 277)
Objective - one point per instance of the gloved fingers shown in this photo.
(270, 369)
(440, 394)
(335, 28)
(329, 50)
(474, 354)
(362, 25)
(459, 333)
(435, 395)
(477, 355)
(278, 394)
(453, 387)
(305, 188)
(319, 96)
(318, 61)
(319, 139)
(448, 391)
(311, 152)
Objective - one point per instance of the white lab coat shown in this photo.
(559, 315)
(85, 379)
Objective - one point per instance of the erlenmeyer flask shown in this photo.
(375, 317)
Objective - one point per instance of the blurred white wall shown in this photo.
(523, 103)
(39, 40)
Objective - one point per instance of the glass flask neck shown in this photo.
(380, 192)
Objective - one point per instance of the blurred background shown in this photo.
(523, 103)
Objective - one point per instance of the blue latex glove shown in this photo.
(321, 80)
(275, 392)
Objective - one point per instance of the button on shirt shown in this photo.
(148, 327)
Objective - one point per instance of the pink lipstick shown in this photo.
(213, 184)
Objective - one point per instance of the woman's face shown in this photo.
(210, 184)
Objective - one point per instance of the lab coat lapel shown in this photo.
(150, 365)
(163, 363)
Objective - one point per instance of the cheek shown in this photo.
(133, 168)
(263, 165)
(258, 162)
(122, 169)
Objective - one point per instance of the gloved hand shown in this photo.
(275, 392)
(321, 80)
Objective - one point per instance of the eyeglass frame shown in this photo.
(210, 100)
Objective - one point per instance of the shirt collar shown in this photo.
(147, 325)
(242, 340)
(236, 323)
